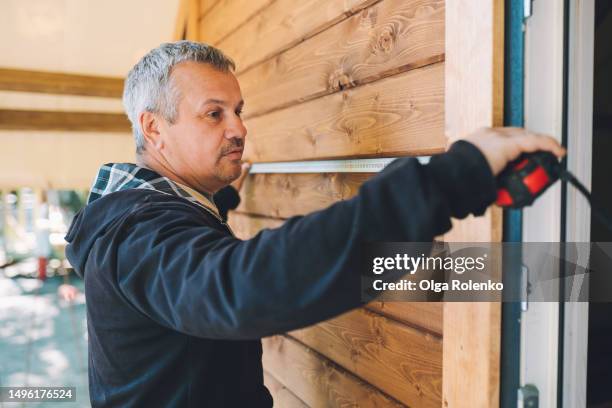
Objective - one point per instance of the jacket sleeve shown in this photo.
(201, 281)
(226, 199)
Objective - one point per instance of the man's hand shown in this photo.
(237, 184)
(502, 145)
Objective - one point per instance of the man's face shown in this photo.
(204, 145)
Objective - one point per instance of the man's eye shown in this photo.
(239, 112)
(214, 114)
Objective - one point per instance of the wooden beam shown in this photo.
(473, 98)
(398, 115)
(59, 120)
(60, 83)
(388, 38)
(316, 380)
(402, 361)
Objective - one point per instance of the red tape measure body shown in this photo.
(526, 178)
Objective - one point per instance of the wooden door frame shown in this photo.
(474, 84)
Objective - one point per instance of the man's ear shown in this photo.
(149, 123)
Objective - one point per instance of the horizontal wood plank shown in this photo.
(282, 396)
(60, 83)
(226, 16)
(60, 120)
(282, 25)
(315, 380)
(403, 362)
(247, 226)
(399, 115)
(426, 315)
(286, 195)
(389, 37)
(206, 6)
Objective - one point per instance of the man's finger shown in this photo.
(538, 142)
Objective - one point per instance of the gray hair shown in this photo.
(148, 86)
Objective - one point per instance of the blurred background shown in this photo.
(61, 76)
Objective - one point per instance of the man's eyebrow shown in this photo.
(212, 100)
(220, 102)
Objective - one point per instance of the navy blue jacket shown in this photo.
(176, 304)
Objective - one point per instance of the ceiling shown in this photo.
(100, 37)
(90, 37)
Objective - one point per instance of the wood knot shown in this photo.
(379, 338)
(339, 80)
(312, 137)
(385, 41)
(349, 131)
(279, 62)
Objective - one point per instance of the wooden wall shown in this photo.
(327, 79)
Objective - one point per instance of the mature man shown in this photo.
(176, 304)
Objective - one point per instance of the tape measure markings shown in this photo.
(328, 166)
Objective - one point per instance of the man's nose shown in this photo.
(236, 129)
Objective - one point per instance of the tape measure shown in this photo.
(526, 178)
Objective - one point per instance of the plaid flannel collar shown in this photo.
(114, 177)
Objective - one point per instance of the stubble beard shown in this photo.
(227, 170)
